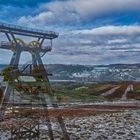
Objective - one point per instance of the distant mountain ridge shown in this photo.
(112, 72)
(100, 73)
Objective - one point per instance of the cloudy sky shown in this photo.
(91, 31)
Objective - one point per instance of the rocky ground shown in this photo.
(115, 126)
(109, 126)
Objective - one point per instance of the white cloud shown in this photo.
(111, 30)
(41, 18)
(96, 46)
(75, 11)
(91, 7)
(107, 44)
(113, 41)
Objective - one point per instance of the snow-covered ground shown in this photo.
(115, 126)
(122, 126)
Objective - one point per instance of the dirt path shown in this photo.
(128, 89)
(109, 92)
(82, 110)
(85, 110)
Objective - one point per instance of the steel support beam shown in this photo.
(41, 42)
(60, 119)
(34, 62)
(15, 59)
(8, 37)
(13, 37)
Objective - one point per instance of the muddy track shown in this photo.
(85, 110)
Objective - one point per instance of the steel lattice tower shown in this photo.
(37, 49)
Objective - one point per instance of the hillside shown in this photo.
(90, 73)
(107, 91)
(99, 73)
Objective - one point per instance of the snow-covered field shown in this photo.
(115, 126)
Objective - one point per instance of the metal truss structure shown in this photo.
(27, 127)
